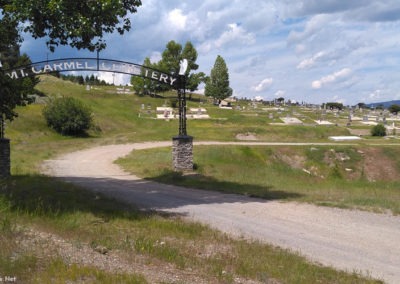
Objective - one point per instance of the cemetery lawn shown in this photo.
(362, 177)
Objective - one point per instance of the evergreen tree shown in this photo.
(143, 86)
(170, 63)
(81, 81)
(394, 109)
(217, 85)
(170, 58)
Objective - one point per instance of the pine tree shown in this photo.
(143, 86)
(217, 85)
(170, 63)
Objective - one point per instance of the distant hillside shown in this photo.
(385, 104)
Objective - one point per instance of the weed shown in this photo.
(335, 172)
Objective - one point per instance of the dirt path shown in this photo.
(346, 239)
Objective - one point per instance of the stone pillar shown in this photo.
(182, 153)
(4, 158)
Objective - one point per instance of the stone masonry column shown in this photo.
(4, 158)
(182, 153)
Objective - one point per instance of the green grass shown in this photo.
(88, 219)
(268, 174)
(58, 272)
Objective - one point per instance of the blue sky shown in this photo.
(311, 50)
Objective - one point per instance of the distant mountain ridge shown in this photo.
(384, 104)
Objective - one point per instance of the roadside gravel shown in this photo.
(350, 240)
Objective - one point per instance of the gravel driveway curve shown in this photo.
(345, 239)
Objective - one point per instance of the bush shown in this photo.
(378, 130)
(68, 116)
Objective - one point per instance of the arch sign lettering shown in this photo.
(92, 64)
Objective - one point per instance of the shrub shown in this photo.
(378, 130)
(68, 116)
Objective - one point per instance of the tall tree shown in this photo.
(394, 108)
(170, 63)
(217, 85)
(170, 58)
(141, 85)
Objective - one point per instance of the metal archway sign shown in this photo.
(182, 144)
(91, 64)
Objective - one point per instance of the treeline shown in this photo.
(87, 80)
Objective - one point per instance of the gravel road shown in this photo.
(345, 239)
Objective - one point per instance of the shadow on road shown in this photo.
(154, 195)
(48, 196)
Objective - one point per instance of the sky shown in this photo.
(312, 51)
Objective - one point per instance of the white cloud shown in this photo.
(377, 94)
(279, 94)
(309, 62)
(155, 57)
(235, 35)
(114, 78)
(364, 10)
(313, 26)
(176, 19)
(263, 85)
(340, 75)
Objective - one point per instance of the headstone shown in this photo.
(166, 113)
